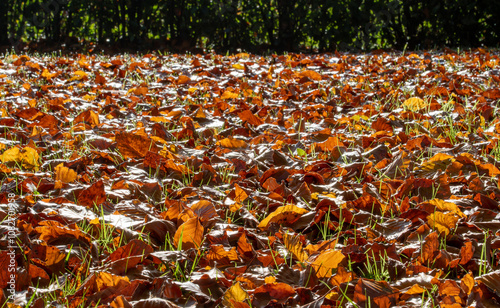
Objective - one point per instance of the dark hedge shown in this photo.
(255, 25)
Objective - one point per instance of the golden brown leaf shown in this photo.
(415, 104)
(232, 143)
(64, 174)
(189, 234)
(234, 293)
(240, 194)
(133, 145)
(443, 223)
(283, 214)
(293, 244)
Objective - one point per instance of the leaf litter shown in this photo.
(248, 181)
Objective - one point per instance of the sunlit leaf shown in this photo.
(283, 214)
(232, 143)
(415, 104)
(443, 223)
(64, 174)
(234, 293)
(293, 244)
(189, 234)
(326, 262)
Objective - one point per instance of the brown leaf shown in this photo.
(89, 117)
(92, 196)
(429, 248)
(133, 145)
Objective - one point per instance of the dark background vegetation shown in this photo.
(253, 25)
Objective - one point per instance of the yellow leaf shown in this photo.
(28, 157)
(229, 95)
(282, 214)
(442, 222)
(326, 262)
(415, 104)
(444, 206)
(238, 66)
(78, 75)
(293, 244)
(48, 75)
(65, 174)
(270, 279)
(159, 119)
(236, 294)
(12, 154)
(438, 161)
(189, 234)
(235, 206)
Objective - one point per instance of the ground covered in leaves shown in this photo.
(333, 180)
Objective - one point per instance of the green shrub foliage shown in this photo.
(254, 25)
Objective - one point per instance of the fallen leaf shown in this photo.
(326, 262)
(283, 214)
(189, 234)
(64, 174)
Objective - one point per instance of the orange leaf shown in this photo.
(415, 289)
(229, 95)
(222, 256)
(329, 144)
(429, 248)
(89, 117)
(467, 283)
(189, 234)
(310, 74)
(240, 194)
(232, 143)
(65, 174)
(283, 214)
(466, 252)
(327, 261)
(248, 116)
(183, 79)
